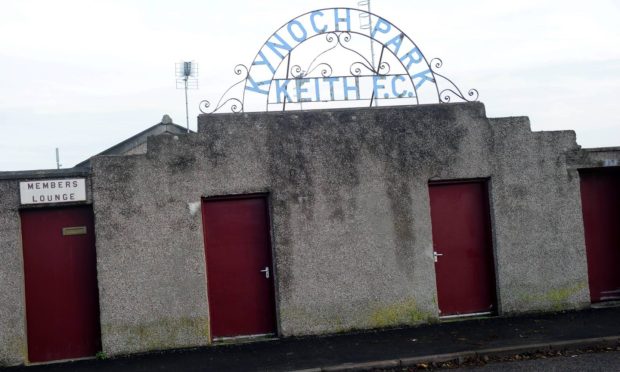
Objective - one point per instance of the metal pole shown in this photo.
(186, 106)
(57, 159)
(372, 48)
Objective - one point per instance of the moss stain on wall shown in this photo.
(556, 299)
(162, 334)
(402, 313)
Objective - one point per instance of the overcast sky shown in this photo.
(84, 75)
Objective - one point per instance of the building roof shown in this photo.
(166, 126)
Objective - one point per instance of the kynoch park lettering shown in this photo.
(337, 55)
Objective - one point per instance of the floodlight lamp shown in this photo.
(186, 69)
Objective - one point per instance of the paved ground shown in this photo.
(604, 361)
(396, 344)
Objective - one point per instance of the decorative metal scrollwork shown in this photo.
(400, 70)
(357, 69)
(236, 105)
(325, 70)
(446, 94)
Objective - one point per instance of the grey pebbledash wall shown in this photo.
(13, 346)
(12, 311)
(348, 192)
(349, 207)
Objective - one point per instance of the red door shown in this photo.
(239, 268)
(62, 300)
(600, 203)
(462, 247)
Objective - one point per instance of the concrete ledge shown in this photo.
(368, 366)
(461, 356)
(43, 173)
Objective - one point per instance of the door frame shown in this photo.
(266, 195)
(615, 170)
(487, 183)
(39, 207)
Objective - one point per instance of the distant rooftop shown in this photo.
(137, 144)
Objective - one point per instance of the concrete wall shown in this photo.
(538, 228)
(150, 260)
(348, 194)
(601, 157)
(12, 314)
(13, 347)
(350, 215)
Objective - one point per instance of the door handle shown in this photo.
(435, 255)
(266, 271)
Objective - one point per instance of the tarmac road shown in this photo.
(398, 347)
(605, 361)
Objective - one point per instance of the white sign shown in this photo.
(53, 191)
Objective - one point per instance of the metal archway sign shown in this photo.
(326, 56)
